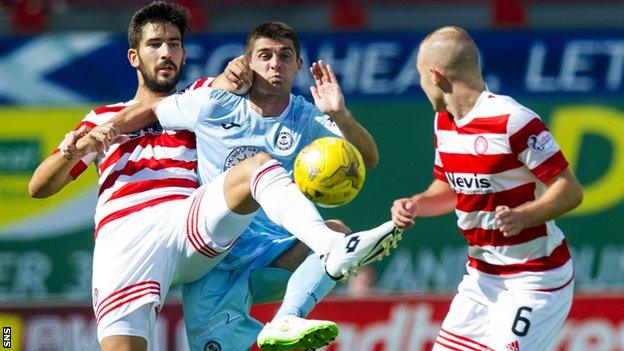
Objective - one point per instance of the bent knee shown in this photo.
(260, 159)
(251, 164)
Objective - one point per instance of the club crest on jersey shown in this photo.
(284, 140)
(480, 145)
(540, 142)
(240, 153)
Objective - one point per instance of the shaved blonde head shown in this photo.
(452, 51)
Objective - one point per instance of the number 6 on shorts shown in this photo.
(521, 322)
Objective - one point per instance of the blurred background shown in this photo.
(562, 58)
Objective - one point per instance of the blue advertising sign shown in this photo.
(92, 67)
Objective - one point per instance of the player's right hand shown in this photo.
(97, 140)
(239, 74)
(402, 212)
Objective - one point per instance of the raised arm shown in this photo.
(236, 78)
(564, 193)
(437, 200)
(329, 98)
(135, 117)
(52, 175)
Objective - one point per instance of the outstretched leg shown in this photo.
(264, 180)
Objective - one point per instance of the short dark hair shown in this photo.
(157, 12)
(275, 31)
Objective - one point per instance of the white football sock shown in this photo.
(284, 204)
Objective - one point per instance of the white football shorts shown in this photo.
(138, 257)
(487, 318)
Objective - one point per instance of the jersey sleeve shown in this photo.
(438, 169)
(326, 126)
(534, 145)
(181, 110)
(195, 104)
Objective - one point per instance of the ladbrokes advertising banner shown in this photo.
(391, 323)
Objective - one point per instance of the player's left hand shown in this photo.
(327, 93)
(509, 221)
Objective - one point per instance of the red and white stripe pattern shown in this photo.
(262, 171)
(151, 167)
(491, 157)
(126, 295)
(450, 341)
(194, 225)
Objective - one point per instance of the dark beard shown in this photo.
(151, 82)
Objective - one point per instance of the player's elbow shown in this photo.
(576, 197)
(37, 190)
(573, 197)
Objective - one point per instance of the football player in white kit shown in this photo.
(154, 226)
(229, 128)
(499, 168)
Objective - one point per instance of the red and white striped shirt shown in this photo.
(141, 170)
(495, 156)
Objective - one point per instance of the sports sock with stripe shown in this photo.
(285, 205)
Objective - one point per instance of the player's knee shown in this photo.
(250, 165)
(260, 159)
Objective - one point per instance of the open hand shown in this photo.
(327, 93)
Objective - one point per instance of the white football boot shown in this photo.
(293, 333)
(359, 249)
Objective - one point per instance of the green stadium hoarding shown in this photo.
(46, 244)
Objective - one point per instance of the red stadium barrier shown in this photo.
(385, 323)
